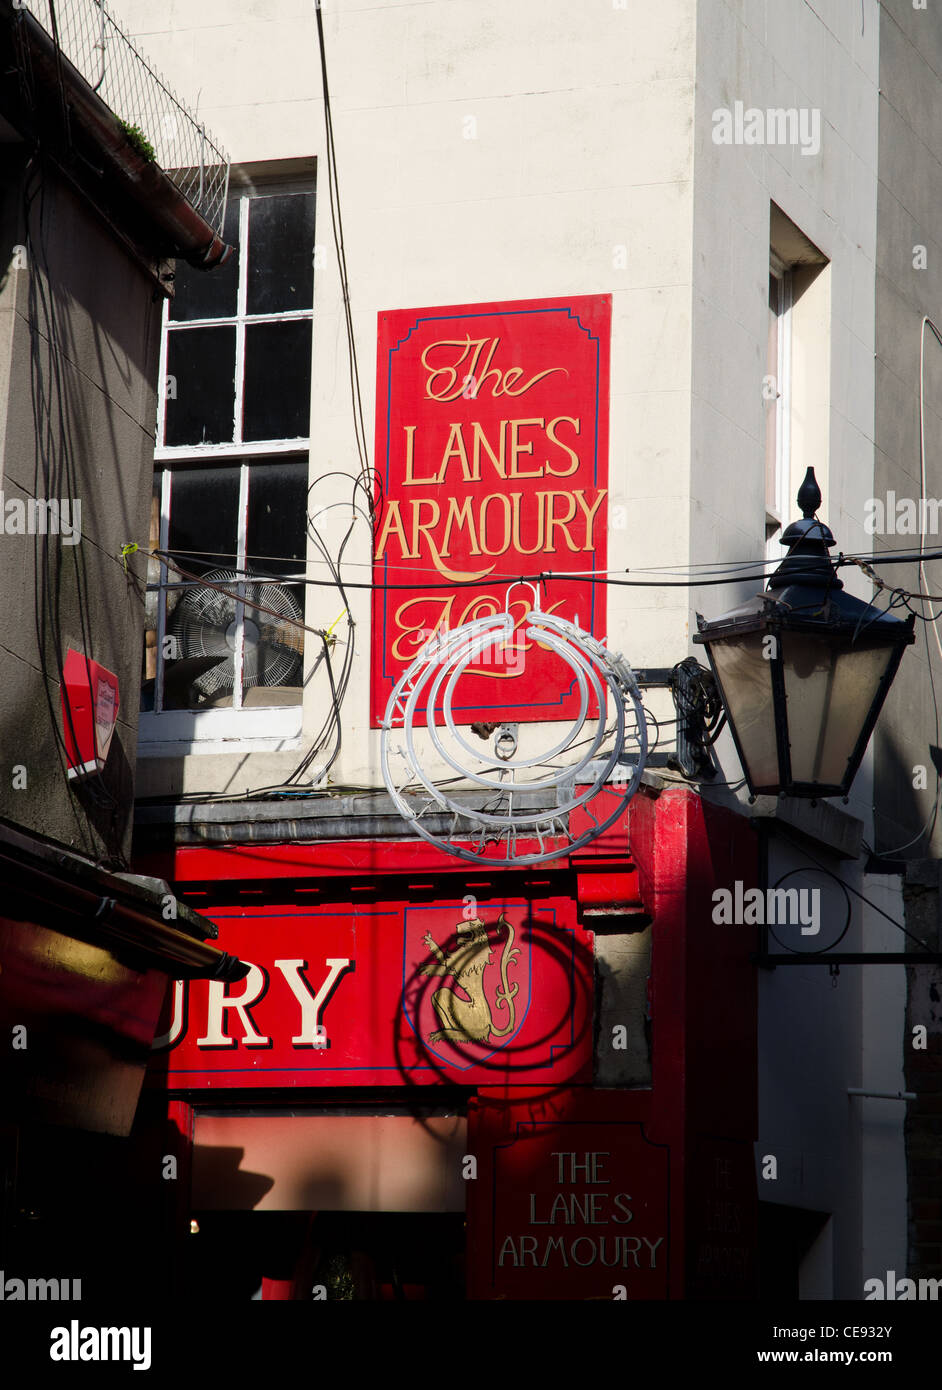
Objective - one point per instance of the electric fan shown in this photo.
(204, 626)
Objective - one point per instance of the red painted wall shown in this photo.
(678, 1156)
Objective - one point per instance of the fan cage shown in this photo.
(204, 625)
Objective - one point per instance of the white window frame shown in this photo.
(165, 732)
(781, 465)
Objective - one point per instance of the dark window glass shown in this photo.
(277, 389)
(281, 254)
(204, 510)
(210, 294)
(201, 387)
(204, 514)
(151, 602)
(277, 512)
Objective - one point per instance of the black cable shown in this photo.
(563, 576)
(542, 577)
(56, 468)
(333, 191)
(332, 727)
(797, 844)
(730, 570)
(929, 825)
(60, 80)
(43, 611)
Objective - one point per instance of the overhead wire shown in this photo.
(55, 464)
(538, 577)
(863, 561)
(928, 828)
(336, 220)
(802, 848)
(368, 481)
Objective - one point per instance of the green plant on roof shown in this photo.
(139, 141)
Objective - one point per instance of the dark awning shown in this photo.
(136, 917)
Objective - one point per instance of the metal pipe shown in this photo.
(882, 1095)
(849, 958)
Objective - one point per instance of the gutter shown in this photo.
(96, 140)
(307, 818)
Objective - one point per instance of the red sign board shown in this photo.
(492, 463)
(390, 994)
(572, 1201)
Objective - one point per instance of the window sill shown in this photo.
(175, 733)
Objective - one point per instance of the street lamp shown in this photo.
(803, 669)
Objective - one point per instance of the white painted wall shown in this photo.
(835, 1155)
(583, 145)
(770, 54)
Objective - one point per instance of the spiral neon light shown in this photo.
(504, 815)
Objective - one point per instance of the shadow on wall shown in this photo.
(108, 800)
(905, 788)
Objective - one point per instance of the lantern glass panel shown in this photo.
(746, 681)
(829, 692)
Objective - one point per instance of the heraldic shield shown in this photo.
(466, 982)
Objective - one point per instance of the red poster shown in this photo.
(492, 463)
(389, 994)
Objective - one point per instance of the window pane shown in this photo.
(201, 387)
(829, 693)
(204, 507)
(277, 391)
(274, 644)
(281, 253)
(275, 541)
(210, 294)
(277, 516)
(151, 598)
(746, 684)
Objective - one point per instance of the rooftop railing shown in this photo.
(157, 122)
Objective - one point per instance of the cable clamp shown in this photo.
(862, 564)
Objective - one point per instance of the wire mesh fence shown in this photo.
(157, 122)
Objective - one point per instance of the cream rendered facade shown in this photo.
(490, 151)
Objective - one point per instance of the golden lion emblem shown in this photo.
(470, 1020)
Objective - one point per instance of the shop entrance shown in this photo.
(352, 1256)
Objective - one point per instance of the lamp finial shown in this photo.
(809, 495)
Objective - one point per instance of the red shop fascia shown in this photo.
(351, 1070)
(576, 1190)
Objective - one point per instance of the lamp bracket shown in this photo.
(768, 961)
